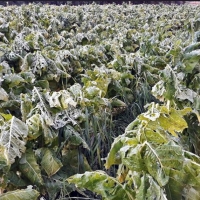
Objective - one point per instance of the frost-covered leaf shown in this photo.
(131, 157)
(186, 93)
(101, 183)
(13, 80)
(4, 95)
(159, 161)
(13, 136)
(16, 180)
(61, 99)
(50, 134)
(164, 118)
(39, 64)
(191, 59)
(34, 126)
(76, 90)
(43, 106)
(57, 183)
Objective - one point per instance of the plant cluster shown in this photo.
(67, 71)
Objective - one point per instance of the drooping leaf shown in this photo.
(160, 118)
(50, 163)
(155, 167)
(191, 60)
(49, 134)
(39, 63)
(74, 161)
(154, 191)
(58, 184)
(112, 156)
(73, 137)
(24, 194)
(29, 167)
(16, 180)
(101, 183)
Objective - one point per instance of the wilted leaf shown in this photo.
(16, 180)
(74, 137)
(29, 167)
(101, 183)
(112, 155)
(50, 163)
(25, 194)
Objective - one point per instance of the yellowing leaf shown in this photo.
(7, 117)
(24, 194)
(50, 163)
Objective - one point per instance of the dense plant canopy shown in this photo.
(66, 75)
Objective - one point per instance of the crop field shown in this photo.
(100, 102)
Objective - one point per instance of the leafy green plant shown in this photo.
(152, 163)
(73, 77)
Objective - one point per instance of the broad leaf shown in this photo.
(57, 183)
(112, 156)
(61, 99)
(99, 182)
(159, 161)
(26, 106)
(25, 194)
(34, 126)
(4, 162)
(13, 80)
(73, 137)
(13, 136)
(43, 106)
(4, 95)
(132, 158)
(29, 167)
(50, 163)
(16, 180)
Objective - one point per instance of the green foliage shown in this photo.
(152, 162)
(66, 79)
(23, 194)
(29, 167)
(108, 187)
